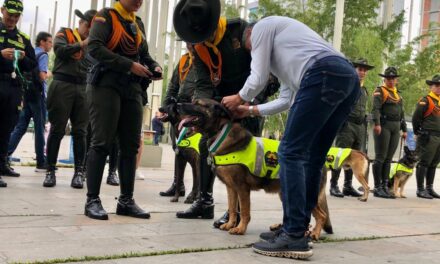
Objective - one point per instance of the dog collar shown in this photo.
(181, 135)
(219, 140)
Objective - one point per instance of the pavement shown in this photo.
(47, 225)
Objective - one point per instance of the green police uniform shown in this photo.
(117, 40)
(66, 99)
(426, 125)
(387, 112)
(12, 83)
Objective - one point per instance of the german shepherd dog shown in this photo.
(399, 177)
(208, 117)
(359, 163)
(184, 155)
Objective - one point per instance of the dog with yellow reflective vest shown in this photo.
(243, 162)
(187, 151)
(401, 171)
(350, 159)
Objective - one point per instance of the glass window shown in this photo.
(434, 17)
(435, 5)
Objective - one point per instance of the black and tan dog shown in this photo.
(186, 152)
(401, 171)
(355, 160)
(225, 138)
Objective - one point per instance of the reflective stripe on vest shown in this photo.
(191, 142)
(399, 167)
(335, 157)
(260, 156)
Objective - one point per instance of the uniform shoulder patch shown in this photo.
(376, 93)
(26, 36)
(422, 103)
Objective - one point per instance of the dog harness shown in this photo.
(399, 167)
(335, 157)
(191, 142)
(260, 156)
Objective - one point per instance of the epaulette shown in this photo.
(26, 36)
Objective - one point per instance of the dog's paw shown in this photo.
(402, 196)
(362, 199)
(237, 231)
(227, 226)
(314, 235)
(275, 227)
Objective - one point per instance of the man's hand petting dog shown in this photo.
(242, 111)
(232, 102)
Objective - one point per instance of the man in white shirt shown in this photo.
(325, 86)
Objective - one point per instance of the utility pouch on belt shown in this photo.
(94, 71)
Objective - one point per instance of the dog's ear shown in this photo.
(221, 111)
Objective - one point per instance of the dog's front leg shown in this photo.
(244, 197)
(396, 187)
(402, 186)
(232, 209)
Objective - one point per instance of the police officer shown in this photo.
(389, 119)
(352, 134)
(17, 57)
(66, 97)
(117, 42)
(222, 66)
(180, 88)
(426, 124)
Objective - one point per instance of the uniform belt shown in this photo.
(388, 118)
(356, 120)
(69, 78)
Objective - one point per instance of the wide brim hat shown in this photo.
(435, 80)
(196, 20)
(13, 6)
(363, 63)
(87, 16)
(390, 72)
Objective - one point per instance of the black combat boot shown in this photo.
(50, 180)
(421, 174)
(385, 179)
(94, 209)
(377, 175)
(78, 177)
(430, 183)
(2, 183)
(126, 204)
(5, 168)
(112, 178)
(334, 188)
(202, 208)
(348, 189)
(172, 190)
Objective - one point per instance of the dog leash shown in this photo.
(181, 135)
(219, 140)
(401, 147)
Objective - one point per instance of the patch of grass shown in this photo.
(349, 239)
(132, 255)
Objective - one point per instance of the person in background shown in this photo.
(157, 126)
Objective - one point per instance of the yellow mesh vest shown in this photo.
(335, 157)
(191, 142)
(399, 167)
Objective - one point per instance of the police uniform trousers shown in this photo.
(113, 115)
(66, 101)
(10, 101)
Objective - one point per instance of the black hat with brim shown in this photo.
(196, 20)
(390, 72)
(435, 80)
(87, 16)
(13, 6)
(363, 63)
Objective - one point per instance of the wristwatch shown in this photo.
(251, 111)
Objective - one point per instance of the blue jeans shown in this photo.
(30, 110)
(328, 90)
(156, 138)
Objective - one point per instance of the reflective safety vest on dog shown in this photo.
(260, 157)
(191, 142)
(335, 157)
(399, 167)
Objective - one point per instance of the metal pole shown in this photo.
(74, 22)
(339, 20)
(34, 33)
(54, 19)
(30, 31)
(94, 4)
(388, 12)
(411, 9)
(154, 27)
(50, 23)
(69, 23)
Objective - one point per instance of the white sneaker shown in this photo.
(139, 175)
